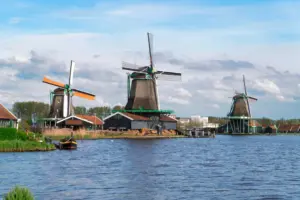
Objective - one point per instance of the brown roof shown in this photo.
(94, 119)
(284, 127)
(136, 117)
(6, 114)
(295, 128)
(254, 123)
(143, 118)
(167, 118)
(74, 122)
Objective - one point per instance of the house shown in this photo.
(284, 128)
(130, 121)
(7, 118)
(270, 129)
(89, 122)
(288, 128)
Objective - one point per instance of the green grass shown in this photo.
(21, 146)
(12, 140)
(19, 193)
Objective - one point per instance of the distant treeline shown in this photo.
(263, 121)
(24, 111)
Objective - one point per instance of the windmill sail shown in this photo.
(65, 105)
(150, 46)
(62, 97)
(246, 96)
(143, 89)
(51, 82)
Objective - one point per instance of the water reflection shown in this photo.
(221, 168)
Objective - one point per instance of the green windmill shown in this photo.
(61, 97)
(142, 83)
(240, 114)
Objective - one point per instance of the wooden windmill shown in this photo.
(240, 113)
(61, 100)
(143, 92)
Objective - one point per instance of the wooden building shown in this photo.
(289, 128)
(130, 121)
(270, 129)
(88, 122)
(7, 118)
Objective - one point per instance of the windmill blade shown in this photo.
(133, 67)
(165, 77)
(150, 45)
(168, 73)
(65, 105)
(246, 96)
(252, 98)
(71, 73)
(156, 93)
(168, 76)
(82, 94)
(51, 82)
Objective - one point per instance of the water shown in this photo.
(241, 167)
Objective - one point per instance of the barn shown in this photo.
(7, 118)
(88, 122)
(130, 121)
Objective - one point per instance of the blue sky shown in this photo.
(212, 42)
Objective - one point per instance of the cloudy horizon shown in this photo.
(212, 43)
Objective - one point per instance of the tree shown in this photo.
(118, 107)
(101, 112)
(25, 110)
(81, 110)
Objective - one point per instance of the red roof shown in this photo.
(295, 128)
(285, 127)
(73, 122)
(6, 114)
(143, 118)
(94, 119)
(136, 117)
(167, 118)
(254, 123)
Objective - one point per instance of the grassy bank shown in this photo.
(22, 146)
(12, 140)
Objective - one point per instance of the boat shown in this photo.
(67, 143)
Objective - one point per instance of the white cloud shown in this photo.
(177, 100)
(267, 86)
(183, 93)
(235, 37)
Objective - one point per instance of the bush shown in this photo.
(19, 193)
(8, 133)
(13, 134)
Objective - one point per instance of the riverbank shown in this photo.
(260, 134)
(24, 146)
(121, 136)
(57, 134)
(12, 140)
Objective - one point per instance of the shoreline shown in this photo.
(260, 134)
(120, 137)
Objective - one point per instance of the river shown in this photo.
(226, 167)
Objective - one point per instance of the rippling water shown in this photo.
(241, 167)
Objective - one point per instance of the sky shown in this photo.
(213, 43)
